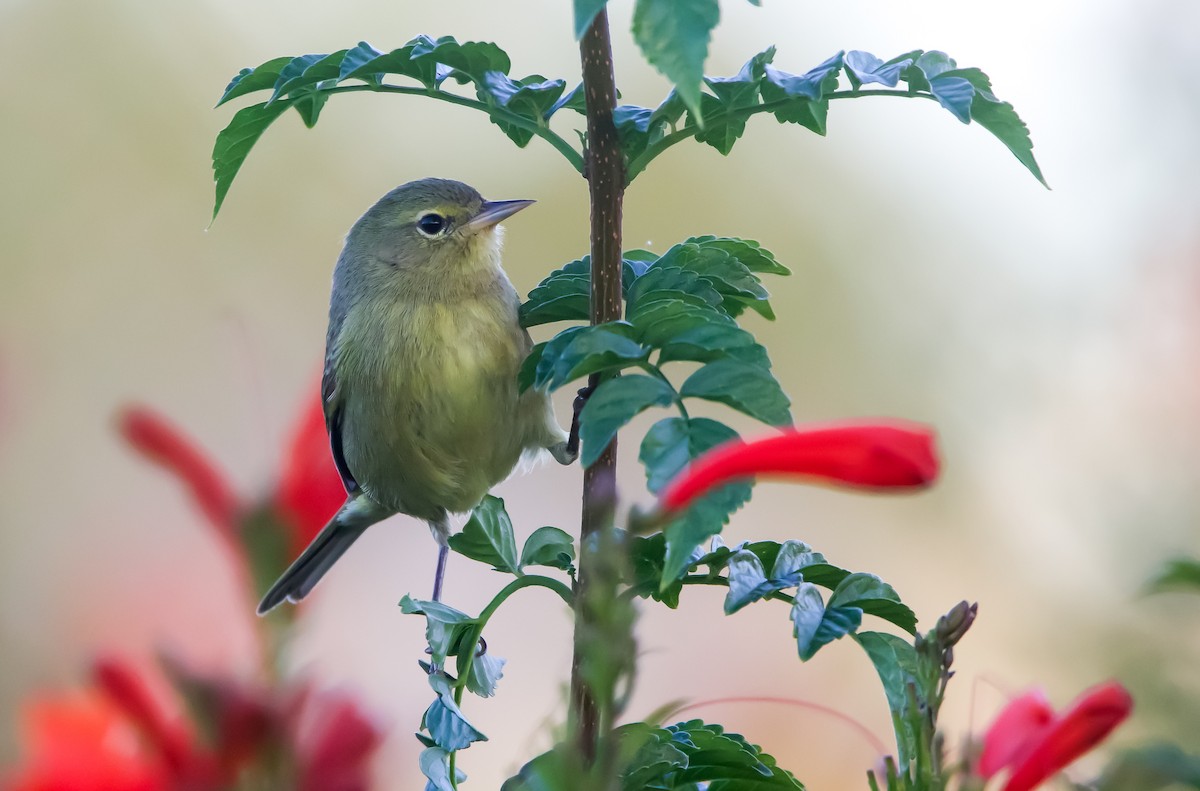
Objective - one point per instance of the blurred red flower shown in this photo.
(310, 489)
(307, 494)
(1035, 743)
(81, 742)
(120, 736)
(893, 455)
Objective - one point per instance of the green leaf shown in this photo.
(306, 71)
(703, 519)
(444, 625)
(486, 671)
(801, 98)
(528, 371)
(661, 282)
(747, 388)
(673, 36)
(633, 129)
(748, 582)
(724, 761)
(533, 98)
(613, 404)
(435, 765)
(720, 109)
(581, 351)
(863, 67)
(562, 296)
(1002, 120)
(647, 560)
(444, 721)
(873, 596)
(366, 63)
(896, 662)
(234, 142)
(1177, 574)
(470, 60)
(750, 253)
(729, 276)
(549, 546)
(673, 442)
(815, 625)
(356, 57)
(585, 12)
(488, 536)
(250, 80)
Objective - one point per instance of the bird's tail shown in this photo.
(320, 555)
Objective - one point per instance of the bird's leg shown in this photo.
(571, 449)
(440, 573)
(440, 528)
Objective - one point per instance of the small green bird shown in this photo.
(421, 362)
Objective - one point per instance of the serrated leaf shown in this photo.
(585, 12)
(549, 546)
(673, 442)
(305, 71)
(873, 596)
(613, 404)
(1002, 120)
(801, 98)
(728, 275)
(723, 123)
(750, 253)
(863, 67)
(814, 625)
(425, 69)
(443, 624)
(702, 520)
(661, 282)
(249, 80)
(673, 36)
(747, 388)
(747, 581)
(486, 671)
(234, 142)
(562, 296)
(581, 351)
(723, 761)
(633, 124)
(357, 57)
(488, 536)
(533, 98)
(470, 60)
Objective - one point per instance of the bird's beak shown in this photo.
(493, 211)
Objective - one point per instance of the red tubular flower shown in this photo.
(81, 743)
(1036, 747)
(155, 438)
(894, 455)
(334, 744)
(310, 488)
(126, 688)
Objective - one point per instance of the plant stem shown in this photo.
(592, 691)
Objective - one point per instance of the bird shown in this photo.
(419, 388)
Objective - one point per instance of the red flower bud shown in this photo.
(310, 487)
(129, 691)
(892, 455)
(155, 438)
(1036, 746)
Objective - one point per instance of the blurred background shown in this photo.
(1051, 336)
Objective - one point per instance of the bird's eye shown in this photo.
(432, 224)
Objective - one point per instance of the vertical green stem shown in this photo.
(593, 677)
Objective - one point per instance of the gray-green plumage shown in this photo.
(420, 384)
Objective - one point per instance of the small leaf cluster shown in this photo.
(718, 118)
(681, 306)
(790, 572)
(674, 37)
(683, 757)
(487, 537)
(520, 107)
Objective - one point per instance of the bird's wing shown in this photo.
(333, 421)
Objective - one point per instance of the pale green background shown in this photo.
(1052, 337)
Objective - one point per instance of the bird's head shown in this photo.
(433, 224)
